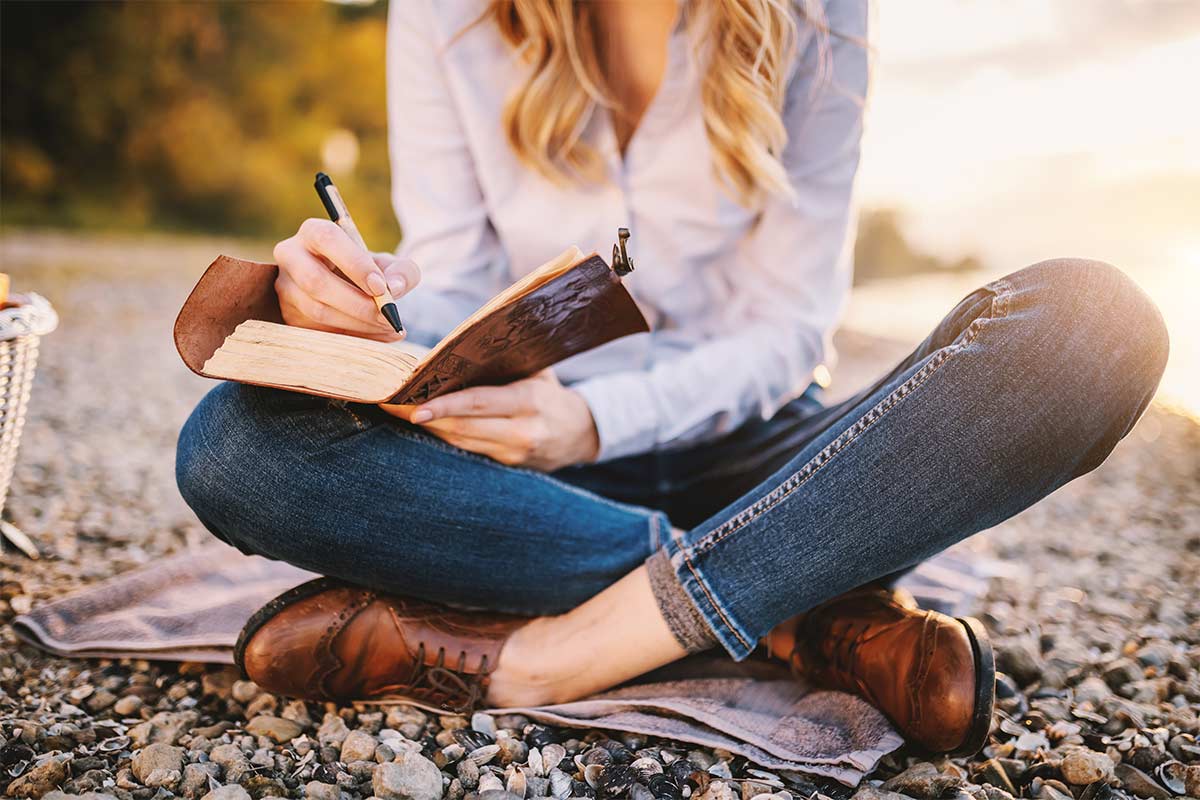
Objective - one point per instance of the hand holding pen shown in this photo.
(329, 281)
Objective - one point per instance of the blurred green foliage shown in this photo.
(190, 115)
(213, 116)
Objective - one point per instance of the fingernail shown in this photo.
(396, 285)
(376, 284)
(424, 415)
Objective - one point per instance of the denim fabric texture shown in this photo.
(1028, 383)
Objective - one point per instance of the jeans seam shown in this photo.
(794, 482)
(655, 532)
(827, 454)
(358, 421)
(999, 308)
(859, 426)
(712, 601)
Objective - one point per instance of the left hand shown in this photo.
(536, 422)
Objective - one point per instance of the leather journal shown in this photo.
(231, 328)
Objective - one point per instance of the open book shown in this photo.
(230, 327)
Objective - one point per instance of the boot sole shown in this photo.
(272, 608)
(985, 688)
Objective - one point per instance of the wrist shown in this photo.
(589, 436)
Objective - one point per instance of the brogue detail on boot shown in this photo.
(327, 640)
(931, 674)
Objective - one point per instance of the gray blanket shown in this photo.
(191, 608)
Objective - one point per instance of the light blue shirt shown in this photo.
(741, 301)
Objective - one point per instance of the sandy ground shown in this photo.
(1096, 612)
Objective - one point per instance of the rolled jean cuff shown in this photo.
(688, 626)
(690, 581)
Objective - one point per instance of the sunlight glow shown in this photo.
(1041, 128)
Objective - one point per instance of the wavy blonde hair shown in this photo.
(745, 48)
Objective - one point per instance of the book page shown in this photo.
(270, 354)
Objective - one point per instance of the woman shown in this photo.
(673, 491)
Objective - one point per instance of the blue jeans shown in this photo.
(1028, 383)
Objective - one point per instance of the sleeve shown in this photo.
(792, 276)
(435, 190)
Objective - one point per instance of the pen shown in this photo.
(335, 206)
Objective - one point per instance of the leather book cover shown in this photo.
(582, 308)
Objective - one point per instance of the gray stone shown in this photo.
(197, 778)
(297, 712)
(410, 777)
(40, 780)
(165, 727)
(1136, 782)
(127, 705)
(468, 772)
(262, 786)
(1021, 659)
(359, 746)
(101, 700)
(873, 793)
(362, 771)
(1092, 690)
(488, 781)
(277, 729)
(484, 723)
(1155, 653)
(990, 793)
(232, 759)
(333, 730)
(158, 765)
(229, 792)
(1122, 671)
(1081, 767)
(245, 691)
(994, 772)
(321, 791)
(922, 780)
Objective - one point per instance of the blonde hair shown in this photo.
(745, 48)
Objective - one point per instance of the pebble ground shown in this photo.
(1095, 617)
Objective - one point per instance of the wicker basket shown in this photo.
(21, 327)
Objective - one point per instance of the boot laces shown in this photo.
(445, 682)
(844, 646)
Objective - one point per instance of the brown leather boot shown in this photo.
(328, 640)
(932, 675)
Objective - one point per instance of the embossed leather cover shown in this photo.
(584, 307)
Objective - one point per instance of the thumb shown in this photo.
(402, 274)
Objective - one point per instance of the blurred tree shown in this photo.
(205, 116)
(213, 116)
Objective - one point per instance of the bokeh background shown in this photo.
(998, 135)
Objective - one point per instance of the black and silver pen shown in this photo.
(335, 206)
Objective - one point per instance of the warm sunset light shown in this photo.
(1044, 129)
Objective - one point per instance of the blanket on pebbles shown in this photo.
(192, 606)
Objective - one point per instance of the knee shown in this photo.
(1105, 330)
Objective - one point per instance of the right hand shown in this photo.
(312, 295)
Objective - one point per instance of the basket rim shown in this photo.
(33, 316)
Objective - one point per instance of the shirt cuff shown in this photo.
(625, 413)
